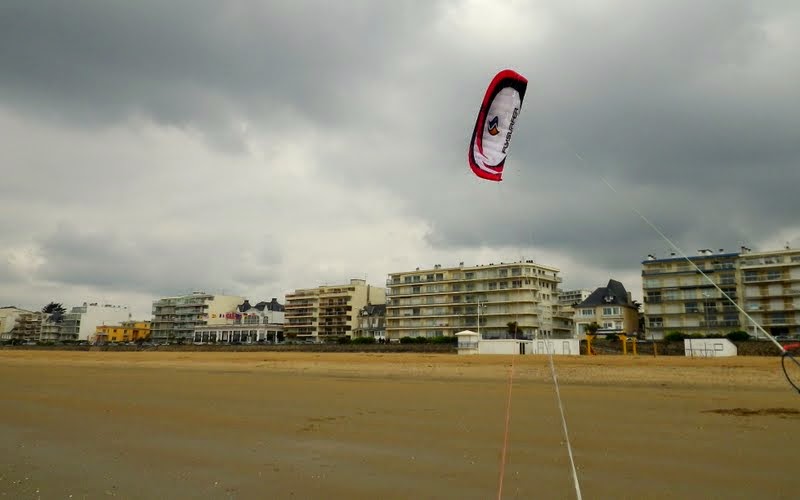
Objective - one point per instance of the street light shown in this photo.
(481, 305)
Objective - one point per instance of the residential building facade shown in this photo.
(611, 307)
(81, 322)
(371, 322)
(679, 298)
(176, 318)
(246, 324)
(484, 298)
(573, 297)
(19, 324)
(29, 326)
(771, 291)
(330, 311)
(126, 331)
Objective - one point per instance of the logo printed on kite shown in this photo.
(493, 126)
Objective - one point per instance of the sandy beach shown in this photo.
(329, 425)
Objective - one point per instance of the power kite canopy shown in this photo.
(496, 118)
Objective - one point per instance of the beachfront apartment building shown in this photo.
(81, 322)
(176, 318)
(328, 312)
(679, 298)
(246, 324)
(611, 307)
(770, 284)
(28, 326)
(443, 301)
(9, 323)
(573, 297)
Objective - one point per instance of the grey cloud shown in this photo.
(691, 110)
(114, 260)
(199, 63)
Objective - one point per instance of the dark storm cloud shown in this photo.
(197, 63)
(691, 110)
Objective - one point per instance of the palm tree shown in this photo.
(55, 310)
(513, 328)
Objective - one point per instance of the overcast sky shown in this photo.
(153, 148)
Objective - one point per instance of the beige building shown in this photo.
(443, 301)
(176, 318)
(771, 291)
(678, 298)
(329, 311)
(19, 324)
(611, 307)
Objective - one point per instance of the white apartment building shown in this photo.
(175, 319)
(485, 298)
(572, 297)
(330, 311)
(81, 322)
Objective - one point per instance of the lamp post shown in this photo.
(481, 305)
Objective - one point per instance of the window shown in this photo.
(651, 283)
(656, 321)
(587, 312)
(691, 307)
(653, 297)
(611, 311)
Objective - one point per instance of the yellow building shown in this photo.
(611, 307)
(127, 331)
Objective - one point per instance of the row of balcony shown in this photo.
(770, 278)
(396, 283)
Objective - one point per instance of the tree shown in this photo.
(55, 310)
(592, 328)
(513, 329)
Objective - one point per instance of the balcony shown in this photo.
(764, 279)
(719, 323)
